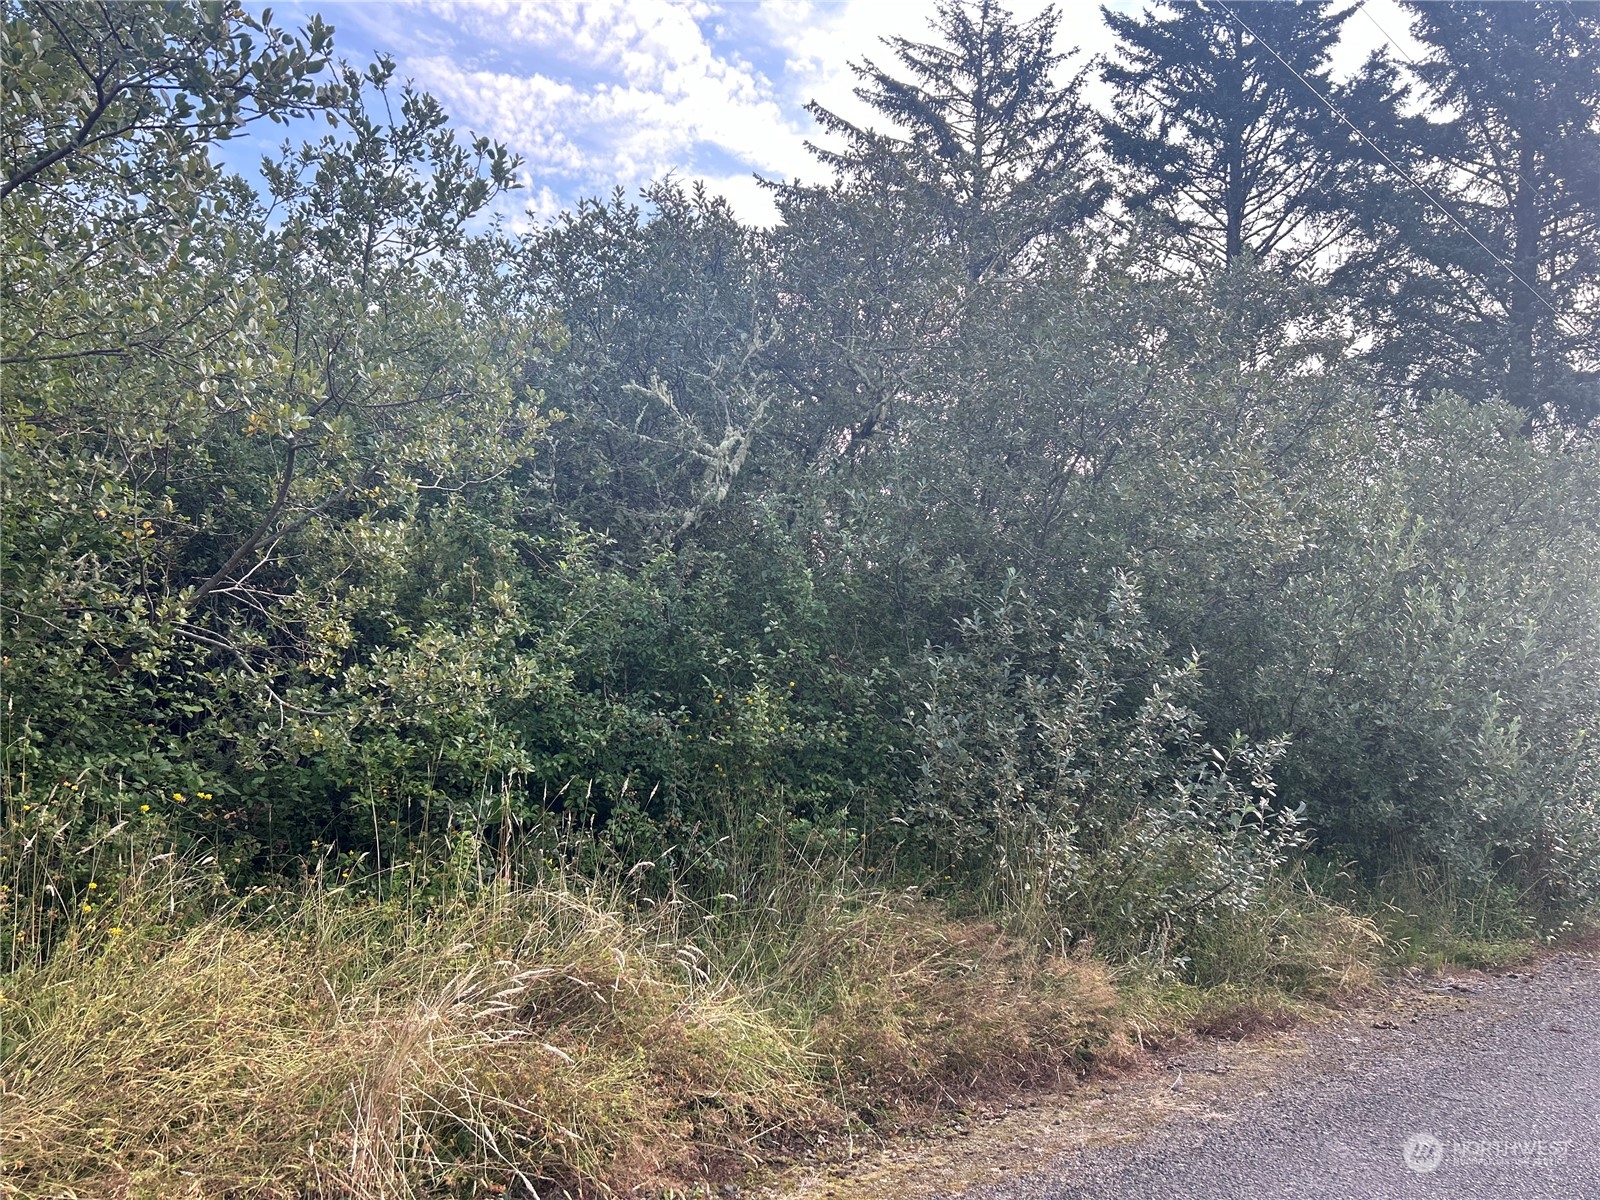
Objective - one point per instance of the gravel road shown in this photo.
(1489, 1090)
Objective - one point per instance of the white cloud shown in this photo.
(750, 202)
(642, 90)
(515, 109)
(596, 93)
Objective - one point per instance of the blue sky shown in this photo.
(597, 93)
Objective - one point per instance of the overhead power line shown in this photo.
(1393, 166)
(1374, 21)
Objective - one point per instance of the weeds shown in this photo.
(505, 1027)
(543, 1038)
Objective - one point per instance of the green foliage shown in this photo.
(660, 372)
(255, 483)
(131, 94)
(929, 530)
(982, 147)
(1218, 127)
(1480, 280)
(1065, 759)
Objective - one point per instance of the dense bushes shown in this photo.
(1063, 771)
(1092, 592)
(598, 705)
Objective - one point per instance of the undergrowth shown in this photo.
(1430, 920)
(553, 1036)
(502, 1024)
(525, 1040)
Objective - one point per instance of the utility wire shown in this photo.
(1374, 21)
(1394, 166)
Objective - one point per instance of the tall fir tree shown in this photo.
(1479, 267)
(1221, 126)
(984, 145)
(981, 165)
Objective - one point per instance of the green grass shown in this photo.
(1430, 922)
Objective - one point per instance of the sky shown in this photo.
(594, 94)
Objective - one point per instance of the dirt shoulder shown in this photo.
(1117, 1134)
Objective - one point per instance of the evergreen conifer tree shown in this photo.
(1480, 272)
(1219, 127)
(983, 143)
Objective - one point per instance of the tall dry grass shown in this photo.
(526, 1041)
(488, 1032)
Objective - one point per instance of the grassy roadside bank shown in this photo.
(556, 1037)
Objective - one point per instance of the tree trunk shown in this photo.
(1522, 385)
